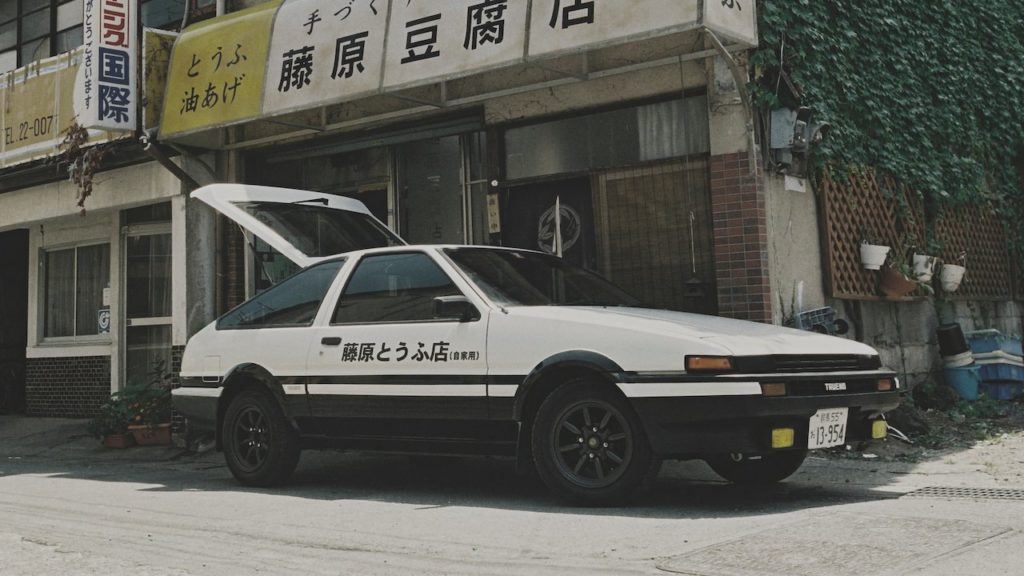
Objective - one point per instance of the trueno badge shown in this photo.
(835, 386)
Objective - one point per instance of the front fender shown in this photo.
(579, 359)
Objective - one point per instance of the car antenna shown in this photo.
(323, 201)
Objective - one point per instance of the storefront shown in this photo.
(631, 183)
(581, 129)
(104, 287)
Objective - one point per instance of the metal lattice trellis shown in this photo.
(865, 205)
(978, 231)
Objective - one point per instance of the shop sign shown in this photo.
(429, 41)
(324, 51)
(733, 19)
(156, 61)
(217, 71)
(564, 26)
(37, 107)
(109, 96)
(276, 58)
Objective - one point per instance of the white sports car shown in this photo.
(376, 345)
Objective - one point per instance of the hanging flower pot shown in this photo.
(952, 276)
(924, 267)
(872, 256)
(894, 284)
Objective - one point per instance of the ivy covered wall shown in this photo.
(931, 93)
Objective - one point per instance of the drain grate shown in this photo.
(967, 493)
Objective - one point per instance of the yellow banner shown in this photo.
(217, 71)
(156, 59)
(38, 107)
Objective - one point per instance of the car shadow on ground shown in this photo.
(681, 490)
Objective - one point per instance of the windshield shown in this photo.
(512, 278)
(317, 231)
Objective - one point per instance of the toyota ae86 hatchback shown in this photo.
(376, 345)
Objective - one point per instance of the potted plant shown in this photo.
(872, 254)
(149, 407)
(898, 277)
(952, 275)
(110, 425)
(924, 267)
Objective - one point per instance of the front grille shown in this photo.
(803, 363)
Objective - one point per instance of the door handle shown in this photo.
(331, 341)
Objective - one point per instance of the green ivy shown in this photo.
(929, 92)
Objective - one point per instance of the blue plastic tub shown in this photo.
(1002, 390)
(965, 380)
(985, 341)
(1001, 372)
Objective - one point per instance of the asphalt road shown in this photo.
(70, 507)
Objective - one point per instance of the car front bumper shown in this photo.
(738, 422)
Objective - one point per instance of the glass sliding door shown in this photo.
(147, 297)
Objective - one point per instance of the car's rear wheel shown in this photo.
(754, 469)
(588, 445)
(260, 445)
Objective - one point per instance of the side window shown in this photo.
(393, 288)
(292, 303)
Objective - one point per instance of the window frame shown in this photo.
(342, 263)
(44, 252)
(355, 268)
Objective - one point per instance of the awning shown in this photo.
(279, 58)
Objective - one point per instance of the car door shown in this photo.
(384, 357)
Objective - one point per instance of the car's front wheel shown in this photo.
(588, 445)
(754, 469)
(260, 445)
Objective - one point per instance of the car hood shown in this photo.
(740, 337)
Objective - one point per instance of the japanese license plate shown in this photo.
(827, 428)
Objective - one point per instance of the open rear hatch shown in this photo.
(306, 227)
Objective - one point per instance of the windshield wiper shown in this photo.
(323, 201)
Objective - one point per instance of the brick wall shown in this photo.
(740, 239)
(232, 267)
(66, 387)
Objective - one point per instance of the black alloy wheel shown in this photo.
(252, 439)
(260, 445)
(594, 443)
(588, 445)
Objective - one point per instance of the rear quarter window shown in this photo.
(292, 303)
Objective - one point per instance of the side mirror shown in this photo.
(455, 308)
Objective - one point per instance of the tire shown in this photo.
(753, 470)
(260, 446)
(587, 466)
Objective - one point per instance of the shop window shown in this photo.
(393, 288)
(430, 191)
(148, 276)
(622, 137)
(292, 303)
(75, 279)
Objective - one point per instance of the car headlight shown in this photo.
(709, 364)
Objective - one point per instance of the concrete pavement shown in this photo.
(69, 506)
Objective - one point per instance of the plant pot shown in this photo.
(951, 276)
(872, 256)
(895, 285)
(118, 441)
(924, 267)
(159, 435)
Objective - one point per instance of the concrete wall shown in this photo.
(904, 332)
(794, 250)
